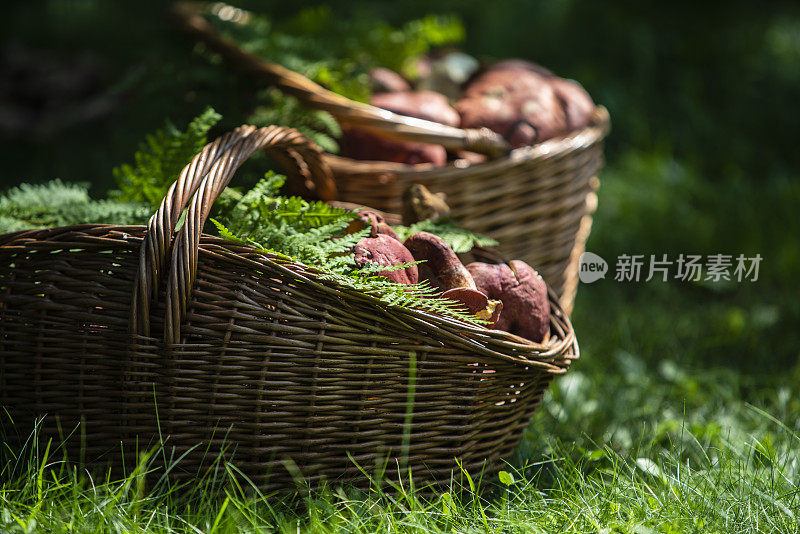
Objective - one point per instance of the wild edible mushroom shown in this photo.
(519, 104)
(578, 105)
(523, 292)
(524, 102)
(385, 250)
(383, 80)
(374, 221)
(364, 144)
(445, 272)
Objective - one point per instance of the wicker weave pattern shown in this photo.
(258, 358)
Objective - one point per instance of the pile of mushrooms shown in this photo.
(508, 296)
(522, 101)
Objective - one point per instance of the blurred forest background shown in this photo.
(702, 159)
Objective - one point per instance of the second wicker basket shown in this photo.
(536, 201)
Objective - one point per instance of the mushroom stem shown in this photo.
(443, 264)
(419, 204)
(477, 303)
(444, 271)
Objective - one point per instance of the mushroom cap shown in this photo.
(385, 250)
(519, 65)
(523, 292)
(384, 80)
(519, 104)
(375, 222)
(443, 268)
(578, 105)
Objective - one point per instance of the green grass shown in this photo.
(674, 478)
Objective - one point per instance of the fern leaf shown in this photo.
(459, 239)
(160, 159)
(58, 203)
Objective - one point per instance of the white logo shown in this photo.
(592, 268)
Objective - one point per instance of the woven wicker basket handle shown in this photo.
(200, 183)
(484, 141)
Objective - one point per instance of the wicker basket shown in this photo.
(536, 201)
(139, 332)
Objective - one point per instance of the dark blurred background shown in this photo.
(702, 158)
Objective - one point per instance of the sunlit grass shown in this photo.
(737, 473)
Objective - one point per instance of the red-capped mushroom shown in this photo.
(516, 65)
(385, 250)
(445, 272)
(523, 292)
(578, 105)
(519, 104)
(363, 144)
(384, 80)
(375, 222)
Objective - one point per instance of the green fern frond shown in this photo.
(58, 203)
(459, 239)
(224, 232)
(160, 158)
(338, 52)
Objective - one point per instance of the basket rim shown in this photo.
(553, 356)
